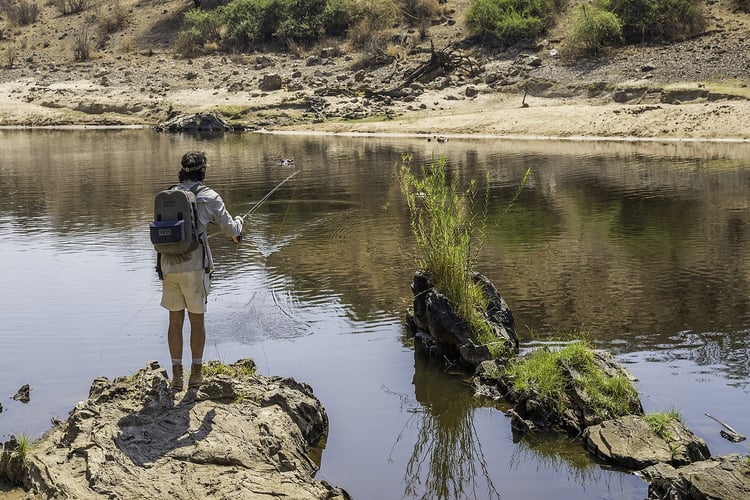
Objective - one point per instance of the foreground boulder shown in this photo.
(240, 435)
(722, 477)
(632, 443)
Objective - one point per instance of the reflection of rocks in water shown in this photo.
(447, 460)
(239, 434)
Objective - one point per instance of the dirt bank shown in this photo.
(694, 90)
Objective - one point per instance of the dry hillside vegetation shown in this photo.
(116, 63)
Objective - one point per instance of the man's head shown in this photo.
(194, 165)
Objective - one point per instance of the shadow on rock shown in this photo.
(240, 435)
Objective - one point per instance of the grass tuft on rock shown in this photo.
(239, 370)
(444, 229)
(549, 374)
(660, 423)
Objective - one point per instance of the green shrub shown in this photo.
(338, 16)
(249, 22)
(199, 28)
(592, 28)
(648, 20)
(443, 229)
(509, 21)
(302, 20)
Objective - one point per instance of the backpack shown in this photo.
(174, 230)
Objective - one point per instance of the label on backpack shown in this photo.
(175, 228)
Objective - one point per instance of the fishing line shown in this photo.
(139, 311)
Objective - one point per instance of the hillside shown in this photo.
(693, 89)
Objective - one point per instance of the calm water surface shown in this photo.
(645, 246)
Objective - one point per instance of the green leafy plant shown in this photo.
(199, 29)
(213, 368)
(23, 446)
(646, 20)
(660, 423)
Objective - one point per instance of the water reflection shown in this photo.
(644, 245)
(447, 460)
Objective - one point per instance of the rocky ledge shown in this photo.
(240, 435)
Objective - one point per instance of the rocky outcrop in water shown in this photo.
(443, 334)
(632, 443)
(240, 435)
(725, 477)
(533, 412)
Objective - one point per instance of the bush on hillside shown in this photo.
(509, 21)
(249, 22)
(21, 13)
(199, 29)
(652, 20)
(338, 16)
(593, 28)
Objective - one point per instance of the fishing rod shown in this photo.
(260, 202)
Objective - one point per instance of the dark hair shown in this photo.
(194, 164)
(198, 176)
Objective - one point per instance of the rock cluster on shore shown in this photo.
(240, 435)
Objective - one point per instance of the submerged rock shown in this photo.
(240, 435)
(726, 477)
(630, 442)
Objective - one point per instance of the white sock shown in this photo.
(197, 361)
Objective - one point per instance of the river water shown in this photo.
(644, 247)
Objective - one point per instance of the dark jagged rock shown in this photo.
(240, 435)
(723, 477)
(444, 334)
(24, 394)
(198, 122)
(630, 442)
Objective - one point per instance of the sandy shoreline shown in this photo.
(488, 116)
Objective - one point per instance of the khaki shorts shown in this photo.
(188, 290)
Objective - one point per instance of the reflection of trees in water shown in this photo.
(447, 460)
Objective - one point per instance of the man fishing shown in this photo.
(187, 277)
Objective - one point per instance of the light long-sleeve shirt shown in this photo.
(211, 210)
